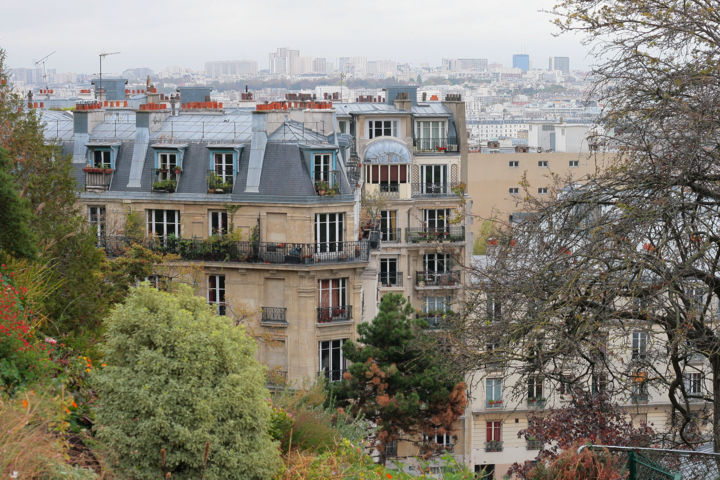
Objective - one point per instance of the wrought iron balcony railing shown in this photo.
(274, 315)
(494, 404)
(435, 235)
(164, 179)
(220, 181)
(334, 314)
(390, 279)
(535, 445)
(537, 402)
(494, 446)
(432, 189)
(436, 145)
(437, 279)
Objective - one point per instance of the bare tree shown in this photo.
(614, 284)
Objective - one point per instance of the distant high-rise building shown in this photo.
(353, 65)
(469, 65)
(382, 68)
(319, 65)
(521, 61)
(559, 63)
(231, 68)
(285, 61)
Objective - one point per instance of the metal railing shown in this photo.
(437, 279)
(328, 186)
(219, 181)
(164, 180)
(639, 397)
(494, 446)
(390, 279)
(98, 180)
(535, 445)
(436, 145)
(390, 235)
(334, 314)
(218, 249)
(424, 235)
(538, 402)
(274, 315)
(494, 404)
(434, 319)
(332, 375)
(432, 189)
(277, 378)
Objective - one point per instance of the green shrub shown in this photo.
(182, 381)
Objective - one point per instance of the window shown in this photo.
(332, 300)
(436, 263)
(693, 383)
(494, 308)
(493, 392)
(430, 135)
(388, 272)
(574, 163)
(639, 345)
(216, 293)
(433, 179)
(434, 309)
(598, 383)
(96, 218)
(343, 126)
(513, 163)
(162, 223)
(535, 389)
(514, 190)
(387, 176)
(493, 436)
(329, 232)
(159, 282)
(436, 219)
(542, 190)
(444, 440)
(382, 128)
(218, 222)
(332, 361)
(166, 166)
(322, 167)
(391, 449)
(102, 159)
(639, 386)
(223, 166)
(388, 226)
(542, 163)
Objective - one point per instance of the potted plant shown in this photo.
(177, 169)
(321, 187)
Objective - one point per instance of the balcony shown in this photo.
(390, 279)
(277, 378)
(437, 279)
(639, 398)
(534, 444)
(433, 189)
(329, 186)
(494, 404)
(435, 235)
(274, 316)
(332, 375)
(334, 314)
(217, 182)
(165, 180)
(436, 145)
(536, 403)
(494, 446)
(391, 235)
(98, 179)
(217, 249)
(389, 191)
(435, 319)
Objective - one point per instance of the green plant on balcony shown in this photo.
(167, 185)
(217, 185)
(324, 188)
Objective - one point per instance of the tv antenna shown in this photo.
(43, 61)
(100, 89)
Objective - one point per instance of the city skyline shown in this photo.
(151, 35)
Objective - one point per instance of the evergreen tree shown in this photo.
(182, 393)
(400, 378)
(16, 238)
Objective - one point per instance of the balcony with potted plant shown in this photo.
(494, 404)
(219, 184)
(98, 177)
(494, 446)
(536, 402)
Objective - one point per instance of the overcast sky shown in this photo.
(161, 33)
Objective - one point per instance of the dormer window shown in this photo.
(382, 128)
(322, 167)
(223, 166)
(102, 158)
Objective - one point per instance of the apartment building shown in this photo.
(263, 211)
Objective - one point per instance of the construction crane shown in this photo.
(43, 61)
(100, 89)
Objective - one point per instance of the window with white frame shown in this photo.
(163, 223)
(542, 190)
(494, 307)
(389, 177)
(329, 232)
(436, 263)
(444, 440)
(157, 281)
(513, 190)
(493, 431)
(639, 345)
(218, 222)
(513, 164)
(693, 383)
(388, 272)
(388, 226)
(331, 359)
(332, 300)
(223, 166)
(574, 163)
(493, 392)
(430, 135)
(436, 219)
(216, 293)
(322, 166)
(542, 163)
(166, 166)
(434, 309)
(598, 383)
(434, 179)
(639, 385)
(343, 125)
(96, 218)
(102, 158)
(535, 388)
(382, 128)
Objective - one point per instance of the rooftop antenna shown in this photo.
(342, 77)
(43, 61)
(100, 89)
